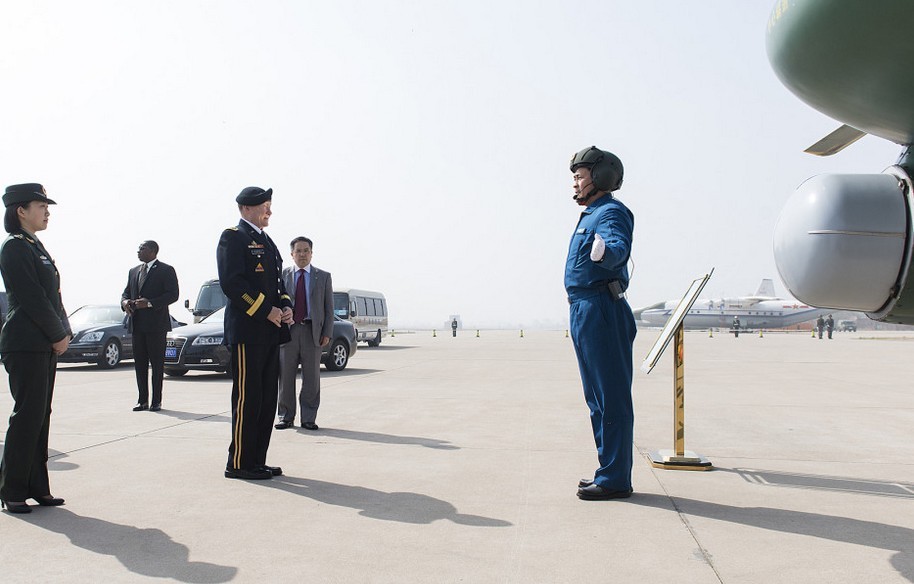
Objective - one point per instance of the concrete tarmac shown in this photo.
(444, 460)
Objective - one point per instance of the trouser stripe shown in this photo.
(239, 407)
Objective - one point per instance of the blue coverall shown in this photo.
(603, 330)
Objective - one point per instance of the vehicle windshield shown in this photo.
(341, 304)
(96, 315)
(217, 316)
(211, 297)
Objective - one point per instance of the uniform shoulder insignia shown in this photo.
(232, 228)
(18, 236)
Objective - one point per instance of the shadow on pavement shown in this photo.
(193, 376)
(381, 438)
(403, 507)
(56, 462)
(191, 416)
(825, 483)
(384, 347)
(208, 376)
(148, 552)
(91, 367)
(841, 529)
(349, 372)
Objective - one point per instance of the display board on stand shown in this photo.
(677, 458)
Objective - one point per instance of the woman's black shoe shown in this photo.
(49, 501)
(16, 507)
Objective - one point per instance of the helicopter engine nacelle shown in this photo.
(844, 241)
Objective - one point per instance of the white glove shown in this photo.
(598, 249)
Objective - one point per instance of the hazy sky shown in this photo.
(422, 145)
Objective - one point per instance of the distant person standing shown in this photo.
(151, 287)
(256, 313)
(35, 333)
(736, 327)
(602, 324)
(829, 325)
(820, 324)
(311, 291)
(454, 327)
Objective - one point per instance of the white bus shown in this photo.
(366, 310)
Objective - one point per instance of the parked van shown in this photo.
(209, 300)
(366, 310)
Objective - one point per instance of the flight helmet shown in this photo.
(605, 168)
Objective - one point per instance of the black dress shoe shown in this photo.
(276, 471)
(309, 425)
(584, 483)
(15, 507)
(254, 474)
(140, 407)
(49, 501)
(595, 492)
(283, 425)
(155, 407)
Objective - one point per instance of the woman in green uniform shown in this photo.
(35, 333)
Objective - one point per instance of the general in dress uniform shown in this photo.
(36, 331)
(256, 323)
(602, 325)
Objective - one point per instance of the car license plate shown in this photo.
(171, 352)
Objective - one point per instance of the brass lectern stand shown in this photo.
(679, 458)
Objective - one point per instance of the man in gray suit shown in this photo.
(311, 290)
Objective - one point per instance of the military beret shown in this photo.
(252, 196)
(25, 193)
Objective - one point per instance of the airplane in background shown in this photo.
(846, 241)
(763, 310)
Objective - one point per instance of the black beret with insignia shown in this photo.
(24, 193)
(252, 196)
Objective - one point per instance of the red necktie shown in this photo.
(301, 298)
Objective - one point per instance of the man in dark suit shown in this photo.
(151, 287)
(256, 317)
(311, 329)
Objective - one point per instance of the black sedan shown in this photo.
(100, 336)
(199, 347)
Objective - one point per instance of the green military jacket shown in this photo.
(36, 318)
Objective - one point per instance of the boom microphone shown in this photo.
(579, 198)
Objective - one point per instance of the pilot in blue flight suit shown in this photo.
(602, 325)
